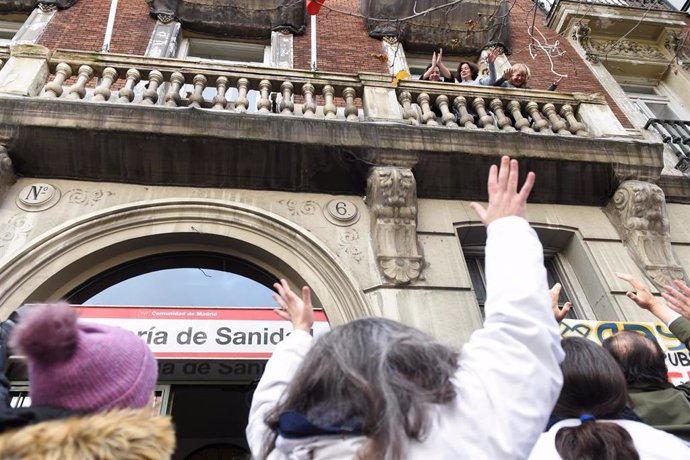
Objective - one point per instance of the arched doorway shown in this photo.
(57, 262)
(101, 257)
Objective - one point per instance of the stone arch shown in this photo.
(68, 255)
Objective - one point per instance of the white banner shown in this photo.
(202, 333)
(677, 355)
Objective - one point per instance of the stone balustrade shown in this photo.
(181, 83)
(174, 83)
(490, 108)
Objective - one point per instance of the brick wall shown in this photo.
(82, 27)
(343, 42)
(580, 78)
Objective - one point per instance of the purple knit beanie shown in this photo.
(82, 367)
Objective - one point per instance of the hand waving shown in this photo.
(292, 308)
(678, 297)
(504, 199)
(559, 312)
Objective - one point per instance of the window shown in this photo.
(558, 270)
(417, 64)
(9, 26)
(248, 53)
(475, 265)
(650, 102)
(229, 52)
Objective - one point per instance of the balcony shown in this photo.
(90, 116)
(647, 22)
(676, 135)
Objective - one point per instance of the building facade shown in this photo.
(139, 137)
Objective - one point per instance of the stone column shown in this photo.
(35, 24)
(26, 71)
(163, 42)
(379, 100)
(281, 49)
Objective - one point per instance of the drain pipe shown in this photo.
(109, 27)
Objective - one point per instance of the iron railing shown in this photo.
(675, 134)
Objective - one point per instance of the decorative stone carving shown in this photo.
(26, 6)
(18, 226)
(347, 241)
(638, 211)
(7, 175)
(47, 7)
(581, 34)
(392, 200)
(85, 197)
(626, 48)
(305, 208)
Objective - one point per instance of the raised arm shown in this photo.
(509, 376)
(284, 362)
(491, 59)
(642, 296)
(442, 67)
(559, 312)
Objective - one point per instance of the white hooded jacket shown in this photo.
(508, 376)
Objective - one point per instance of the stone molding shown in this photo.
(638, 211)
(61, 258)
(392, 200)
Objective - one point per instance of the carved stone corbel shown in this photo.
(7, 175)
(638, 211)
(392, 200)
(581, 34)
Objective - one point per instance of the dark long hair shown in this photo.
(375, 370)
(593, 384)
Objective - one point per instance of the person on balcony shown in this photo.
(437, 70)
(516, 76)
(468, 74)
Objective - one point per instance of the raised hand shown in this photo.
(642, 296)
(678, 297)
(644, 299)
(290, 307)
(559, 313)
(504, 199)
(493, 55)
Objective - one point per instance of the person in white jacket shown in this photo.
(374, 388)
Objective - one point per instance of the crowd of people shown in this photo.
(375, 388)
(515, 76)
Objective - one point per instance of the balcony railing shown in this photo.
(482, 107)
(175, 83)
(675, 134)
(178, 83)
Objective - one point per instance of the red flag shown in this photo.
(313, 6)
